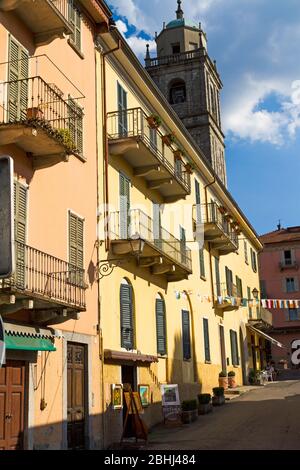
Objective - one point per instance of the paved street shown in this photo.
(265, 418)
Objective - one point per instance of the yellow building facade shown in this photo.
(168, 315)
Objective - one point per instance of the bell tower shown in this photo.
(191, 83)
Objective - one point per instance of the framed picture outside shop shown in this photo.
(170, 395)
(117, 396)
(144, 391)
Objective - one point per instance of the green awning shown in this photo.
(28, 343)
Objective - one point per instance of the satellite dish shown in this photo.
(2, 343)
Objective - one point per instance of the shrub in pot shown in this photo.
(154, 121)
(204, 403)
(218, 399)
(223, 380)
(189, 411)
(252, 377)
(168, 139)
(231, 379)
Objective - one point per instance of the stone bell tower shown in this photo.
(190, 81)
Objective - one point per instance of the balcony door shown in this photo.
(18, 83)
(124, 194)
(222, 348)
(122, 109)
(157, 231)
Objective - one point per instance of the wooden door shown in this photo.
(12, 404)
(76, 395)
(222, 347)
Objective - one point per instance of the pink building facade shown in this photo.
(279, 272)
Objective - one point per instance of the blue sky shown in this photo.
(256, 45)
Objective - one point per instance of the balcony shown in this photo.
(46, 19)
(226, 298)
(175, 58)
(261, 318)
(35, 117)
(52, 288)
(161, 252)
(130, 136)
(288, 264)
(218, 229)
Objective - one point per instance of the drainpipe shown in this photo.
(105, 140)
(209, 246)
(106, 199)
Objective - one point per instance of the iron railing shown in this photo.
(137, 224)
(211, 213)
(224, 290)
(262, 315)
(38, 273)
(174, 58)
(133, 123)
(32, 100)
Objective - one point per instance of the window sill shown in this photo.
(162, 356)
(235, 366)
(203, 278)
(187, 360)
(75, 48)
(207, 362)
(80, 157)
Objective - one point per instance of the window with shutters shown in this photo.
(206, 340)
(246, 252)
(157, 229)
(229, 281)
(186, 337)
(124, 195)
(20, 220)
(239, 287)
(75, 118)
(291, 284)
(161, 336)
(253, 260)
(294, 314)
(74, 17)
(122, 108)
(18, 83)
(76, 248)
(127, 316)
(218, 279)
(234, 348)
(183, 244)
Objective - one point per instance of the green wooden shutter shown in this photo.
(76, 248)
(206, 339)
(198, 216)
(218, 279)
(186, 338)
(124, 194)
(122, 108)
(18, 84)
(234, 348)
(75, 123)
(20, 212)
(126, 307)
(74, 17)
(228, 274)
(161, 327)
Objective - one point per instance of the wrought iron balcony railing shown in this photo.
(133, 123)
(139, 225)
(212, 214)
(32, 101)
(38, 274)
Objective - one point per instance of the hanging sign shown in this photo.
(2, 343)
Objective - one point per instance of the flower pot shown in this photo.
(152, 122)
(203, 409)
(178, 155)
(188, 417)
(166, 140)
(218, 401)
(223, 382)
(34, 113)
(189, 169)
(231, 382)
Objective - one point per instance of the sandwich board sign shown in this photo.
(6, 216)
(2, 343)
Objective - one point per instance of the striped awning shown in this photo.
(265, 336)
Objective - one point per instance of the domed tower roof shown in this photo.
(180, 20)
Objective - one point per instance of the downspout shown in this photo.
(106, 200)
(209, 246)
(105, 141)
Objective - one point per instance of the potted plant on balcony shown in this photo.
(218, 398)
(168, 139)
(189, 168)
(154, 121)
(223, 380)
(65, 137)
(34, 113)
(231, 379)
(189, 412)
(204, 403)
(178, 154)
